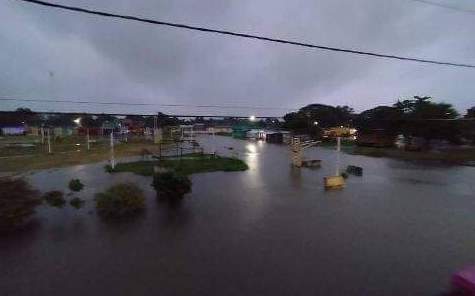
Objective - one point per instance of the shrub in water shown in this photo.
(17, 202)
(76, 185)
(171, 185)
(120, 200)
(54, 198)
(76, 203)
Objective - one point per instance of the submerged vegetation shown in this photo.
(75, 185)
(55, 198)
(171, 185)
(185, 166)
(18, 201)
(77, 202)
(120, 200)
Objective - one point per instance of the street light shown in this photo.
(315, 123)
(77, 121)
(252, 118)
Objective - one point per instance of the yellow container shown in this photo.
(334, 182)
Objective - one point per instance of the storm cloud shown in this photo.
(54, 54)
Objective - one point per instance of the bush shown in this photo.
(108, 168)
(76, 203)
(54, 198)
(76, 185)
(120, 200)
(171, 185)
(17, 202)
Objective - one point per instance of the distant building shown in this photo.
(220, 130)
(199, 127)
(341, 131)
(375, 138)
(240, 130)
(258, 134)
(275, 137)
(13, 130)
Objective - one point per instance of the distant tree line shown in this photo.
(415, 117)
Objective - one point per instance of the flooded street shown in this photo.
(400, 229)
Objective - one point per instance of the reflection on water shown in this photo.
(271, 230)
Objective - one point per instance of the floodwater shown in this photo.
(401, 229)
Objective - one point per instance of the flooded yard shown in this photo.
(400, 229)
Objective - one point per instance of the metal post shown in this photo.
(338, 149)
(214, 141)
(42, 135)
(160, 150)
(49, 141)
(87, 136)
(112, 150)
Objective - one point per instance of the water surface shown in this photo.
(401, 229)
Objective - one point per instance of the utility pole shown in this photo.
(112, 150)
(49, 141)
(42, 130)
(214, 141)
(87, 136)
(338, 149)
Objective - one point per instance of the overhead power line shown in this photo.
(244, 35)
(146, 104)
(149, 114)
(445, 6)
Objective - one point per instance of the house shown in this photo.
(199, 127)
(275, 137)
(375, 138)
(220, 130)
(258, 134)
(240, 130)
(13, 130)
(340, 131)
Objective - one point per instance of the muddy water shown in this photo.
(401, 229)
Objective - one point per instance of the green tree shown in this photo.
(382, 117)
(312, 118)
(423, 118)
(470, 113)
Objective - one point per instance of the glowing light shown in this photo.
(252, 118)
(315, 123)
(77, 121)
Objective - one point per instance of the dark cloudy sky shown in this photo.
(48, 53)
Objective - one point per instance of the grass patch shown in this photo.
(18, 201)
(36, 158)
(185, 166)
(455, 155)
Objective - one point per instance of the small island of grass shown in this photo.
(185, 166)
